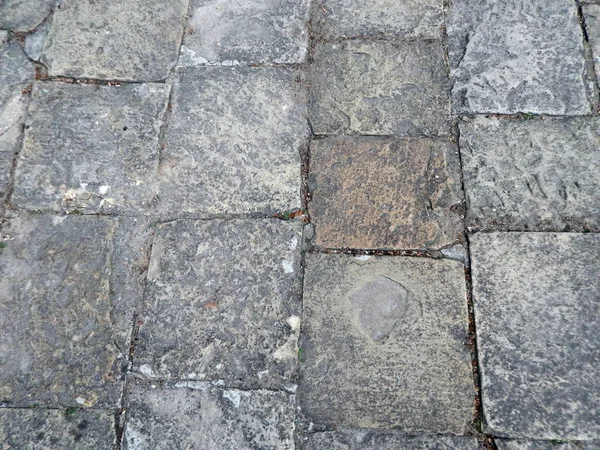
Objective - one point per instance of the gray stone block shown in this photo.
(137, 40)
(24, 15)
(223, 303)
(505, 444)
(233, 143)
(195, 415)
(517, 56)
(532, 174)
(591, 15)
(384, 344)
(536, 310)
(90, 148)
(379, 88)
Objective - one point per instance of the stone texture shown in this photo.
(591, 15)
(68, 289)
(505, 444)
(239, 153)
(193, 415)
(382, 18)
(370, 192)
(379, 88)
(137, 40)
(90, 148)
(517, 56)
(24, 15)
(414, 374)
(231, 292)
(532, 175)
(39, 429)
(536, 310)
(250, 31)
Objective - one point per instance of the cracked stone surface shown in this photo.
(537, 334)
(533, 174)
(24, 15)
(370, 192)
(403, 362)
(517, 56)
(379, 88)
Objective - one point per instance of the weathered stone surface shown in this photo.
(505, 444)
(532, 175)
(233, 144)
(34, 42)
(370, 192)
(352, 18)
(517, 56)
(591, 14)
(414, 374)
(253, 31)
(39, 429)
(231, 292)
(68, 289)
(194, 415)
(90, 148)
(379, 88)
(137, 40)
(24, 15)
(536, 310)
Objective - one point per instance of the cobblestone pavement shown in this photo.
(296, 224)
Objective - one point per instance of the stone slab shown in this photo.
(91, 148)
(370, 192)
(254, 31)
(384, 344)
(379, 88)
(591, 15)
(233, 143)
(194, 415)
(68, 291)
(136, 40)
(506, 444)
(532, 174)
(24, 15)
(517, 56)
(536, 311)
(231, 291)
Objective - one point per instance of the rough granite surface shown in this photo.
(591, 15)
(24, 15)
(505, 444)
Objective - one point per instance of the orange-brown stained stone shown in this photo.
(385, 193)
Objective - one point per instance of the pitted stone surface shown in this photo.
(249, 31)
(231, 290)
(517, 56)
(24, 15)
(418, 379)
(536, 311)
(137, 40)
(239, 153)
(102, 156)
(195, 415)
(533, 174)
(506, 444)
(379, 88)
(370, 192)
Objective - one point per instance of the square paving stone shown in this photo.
(24, 15)
(90, 148)
(532, 175)
(194, 415)
(233, 143)
(536, 298)
(370, 192)
(223, 303)
(137, 40)
(43, 429)
(510, 56)
(384, 344)
(380, 88)
(68, 289)
(249, 31)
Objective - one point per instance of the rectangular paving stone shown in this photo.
(533, 174)
(383, 344)
(137, 40)
(194, 415)
(68, 291)
(517, 56)
(536, 311)
(379, 88)
(90, 148)
(24, 15)
(233, 143)
(223, 303)
(371, 192)
(252, 31)
(508, 444)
